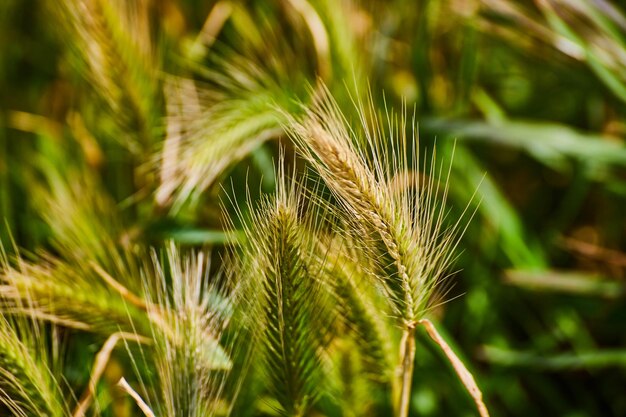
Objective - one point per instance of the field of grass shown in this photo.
(312, 208)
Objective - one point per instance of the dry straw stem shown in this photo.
(123, 384)
(407, 362)
(464, 375)
(405, 231)
(217, 17)
(319, 34)
(100, 363)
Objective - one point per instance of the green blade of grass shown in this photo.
(555, 362)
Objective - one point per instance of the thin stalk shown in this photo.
(466, 377)
(100, 363)
(407, 358)
(124, 385)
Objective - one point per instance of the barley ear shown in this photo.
(406, 234)
(289, 301)
(190, 311)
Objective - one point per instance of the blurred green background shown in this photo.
(529, 96)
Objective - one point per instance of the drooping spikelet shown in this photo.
(362, 355)
(80, 284)
(213, 126)
(356, 304)
(373, 174)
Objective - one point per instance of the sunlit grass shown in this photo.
(314, 236)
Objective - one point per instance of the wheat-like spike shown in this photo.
(213, 125)
(191, 364)
(357, 308)
(364, 326)
(92, 288)
(204, 140)
(80, 285)
(112, 48)
(85, 224)
(365, 357)
(290, 311)
(408, 240)
(356, 393)
(185, 321)
(402, 227)
(60, 292)
(28, 386)
(217, 122)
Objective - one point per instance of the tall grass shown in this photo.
(209, 223)
(387, 209)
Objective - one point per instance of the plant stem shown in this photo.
(407, 357)
(461, 370)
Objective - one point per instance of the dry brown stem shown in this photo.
(100, 363)
(122, 290)
(140, 402)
